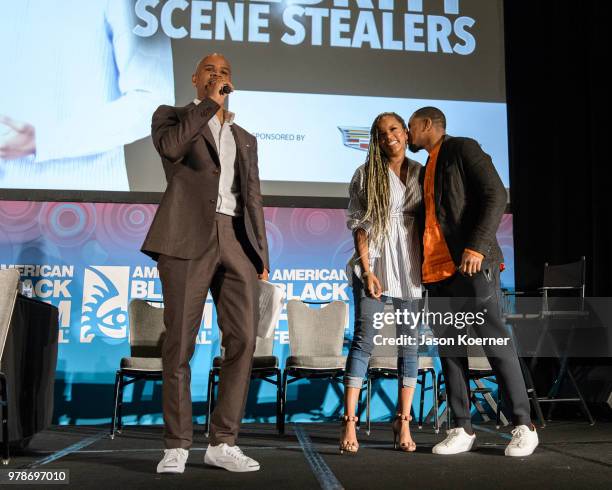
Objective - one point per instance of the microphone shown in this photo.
(226, 89)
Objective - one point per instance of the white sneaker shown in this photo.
(457, 441)
(173, 461)
(523, 443)
(229, 457)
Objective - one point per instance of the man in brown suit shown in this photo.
(208, 233)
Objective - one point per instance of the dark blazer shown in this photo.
(185, 216)
(470, 199)
(420, 217)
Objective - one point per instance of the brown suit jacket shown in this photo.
(186, 213)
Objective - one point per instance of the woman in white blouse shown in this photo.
(385, 203)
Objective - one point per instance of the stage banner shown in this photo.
(84, 258)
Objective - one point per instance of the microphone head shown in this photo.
(226, 89)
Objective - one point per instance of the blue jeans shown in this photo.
(363, 339)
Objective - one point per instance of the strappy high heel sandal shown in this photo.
(399, 419)
(349, 446)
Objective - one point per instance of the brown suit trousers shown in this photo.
(226, 268)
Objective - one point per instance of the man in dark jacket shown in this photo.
(208, 233)
(464, 203)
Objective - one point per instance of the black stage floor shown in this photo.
(570, 455)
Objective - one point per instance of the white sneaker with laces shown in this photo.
(230, 458)
(173, 461)
(523, 443)
(457, 441)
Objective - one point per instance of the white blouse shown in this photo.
(396, 259)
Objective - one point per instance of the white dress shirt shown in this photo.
(228, 200)
(75, 71)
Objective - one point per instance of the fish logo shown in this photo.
(105, 302)
(357, 138)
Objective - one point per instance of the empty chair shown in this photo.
(265, 367)
(383, 364)
(562, 302)
(479, 370)
(145, 362)
(265, 363)
(562, 281)
(316, 335)
(386, 367)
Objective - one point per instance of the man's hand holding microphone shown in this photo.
(218, 88)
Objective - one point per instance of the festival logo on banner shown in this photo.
(105, 302)
(107, 291)
(52, 284)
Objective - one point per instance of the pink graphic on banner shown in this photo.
(308, 224)
(124, 225)
(67, 224)
(275, 241)
(504, 232)
(20, 218)
(344, 249)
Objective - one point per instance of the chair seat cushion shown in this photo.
(316, 362)
(142, 363)
(382, 362)
(426, 362)
(259, 362)
(479, 364)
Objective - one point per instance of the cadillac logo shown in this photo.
(356, 138)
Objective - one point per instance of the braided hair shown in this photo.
(377, 180)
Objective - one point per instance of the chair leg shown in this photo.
(554, 390)
(368, 400)
(549, 412)
(434, 389)
(115, 405)
(538, 409)
(583, 405)
(214, 394)
(5, 412)
(360, 406)
(498, 411)
(448, 411)
(211, 400)
(531, 391)
(120, 405)
(284, 403)
(422, 400)
(447, 408)
(279, 401)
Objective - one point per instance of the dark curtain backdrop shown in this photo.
(558, 86)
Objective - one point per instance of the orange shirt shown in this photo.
(437, 261)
